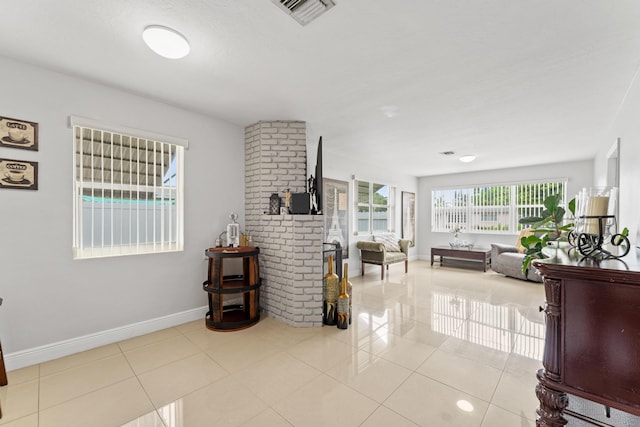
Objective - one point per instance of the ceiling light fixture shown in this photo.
(467, 158)
(166, 42)
(389, 111)
(465, 405)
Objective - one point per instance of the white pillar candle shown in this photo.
(596, 206)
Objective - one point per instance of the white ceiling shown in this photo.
(513, 82)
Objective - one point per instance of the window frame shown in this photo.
(166, 203)
(371, 207)
(467, 217)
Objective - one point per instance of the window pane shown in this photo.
(127, 198)
(363, 219)
(530, 198)
(363, 192)
(380, 194)
(380, 219)
(492, 208)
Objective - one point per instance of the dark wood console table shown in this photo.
(229, 317)
(592, 343)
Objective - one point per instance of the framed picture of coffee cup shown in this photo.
(18, 174)
(16, 133)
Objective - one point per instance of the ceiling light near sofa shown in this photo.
(389, 111)
(467, 158)
(166, 42)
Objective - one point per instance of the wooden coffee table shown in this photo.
(481, 255)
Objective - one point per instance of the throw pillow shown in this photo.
(526, 232)
(389, 241)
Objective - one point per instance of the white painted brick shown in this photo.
(275, 159)
(304, 298)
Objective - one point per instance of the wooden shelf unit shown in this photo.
(230, 317)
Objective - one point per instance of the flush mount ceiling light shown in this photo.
(467, 158)
(166, 42)
(465, 405)
(389, 111)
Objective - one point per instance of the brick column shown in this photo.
(290, 245)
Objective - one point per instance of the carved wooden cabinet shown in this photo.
(592, 343)
(222, 288)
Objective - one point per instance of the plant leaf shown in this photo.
(552, 202)
(525, 263)
(527, 241)
(558, 215)
(572, 206)
(530, 220)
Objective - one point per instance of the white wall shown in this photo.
(579, 175)
(338, 167)
(627, 128)
(48, 297)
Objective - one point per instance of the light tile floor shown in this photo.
(435, 347)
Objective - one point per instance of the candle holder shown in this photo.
(595, 234)
(599, 245)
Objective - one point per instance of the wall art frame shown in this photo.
(18, 174)
(409, 217)
(336, 213)
(16, 133)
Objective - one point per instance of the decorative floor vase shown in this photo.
(345, 270)
(343, 306)
(330, 290)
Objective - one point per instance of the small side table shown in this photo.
(230, 317)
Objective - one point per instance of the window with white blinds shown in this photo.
(128, 194)
(490, 208)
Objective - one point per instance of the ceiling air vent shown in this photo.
(305, 11)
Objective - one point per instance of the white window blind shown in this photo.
(490, 208)
(128, 194)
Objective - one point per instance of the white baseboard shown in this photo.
(32, 356)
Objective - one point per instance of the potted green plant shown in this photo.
(549, 227)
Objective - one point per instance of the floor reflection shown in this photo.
(172, 414)
(500, 327)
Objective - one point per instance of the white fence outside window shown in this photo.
(490, 208)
